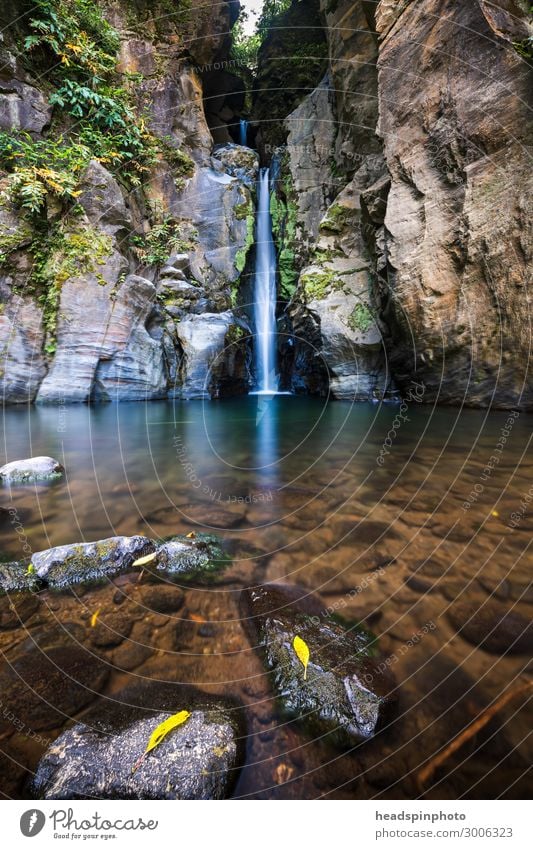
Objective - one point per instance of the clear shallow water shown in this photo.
(351, 502)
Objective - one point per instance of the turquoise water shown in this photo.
(391, 515)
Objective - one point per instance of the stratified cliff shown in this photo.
(123, 232)
(407, 174)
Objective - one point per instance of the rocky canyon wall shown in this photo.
(409, 174)
(399, 139)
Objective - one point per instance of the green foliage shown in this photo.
(284, 212)
(165, 238)
(524, 48)
(39, 168)
(80, 48)
(272, 10)
(75, 32)
(245, 48)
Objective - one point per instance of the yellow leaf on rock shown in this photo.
(94, 617)
(302, 650)
(158, 735)
(143, 561)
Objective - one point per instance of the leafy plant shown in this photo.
(39, 168)
(160, 242)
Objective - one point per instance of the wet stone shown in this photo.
(348, 692)
(200, 759)
(111, 629)
(197, 559)
(493, 627)
(161, 599)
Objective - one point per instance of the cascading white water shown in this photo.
(243, 132)
(265, 292)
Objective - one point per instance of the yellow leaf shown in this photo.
(143, 561)
(495, 513)
(158, 735)
(94, 617)
(302, 650)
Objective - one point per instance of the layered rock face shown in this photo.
(406, 193)
(110, 325)
(455, 126)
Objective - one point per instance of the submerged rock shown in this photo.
(16, 609)
(88, 562)
(44, 687)
(30, 470)
(199, 759)
(347, 693)
(493, 627)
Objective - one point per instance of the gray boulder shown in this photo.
(102, 758)
(31, 470)
(214, 356)
(89, 562)
(347, 694)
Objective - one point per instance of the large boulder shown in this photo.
(31, 470)
(131, 365)
(22, 107)
(215, 356)
(347, 693)
(88, 562)
(101, 758)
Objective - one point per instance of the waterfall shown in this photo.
(243, 132)
(265, 292)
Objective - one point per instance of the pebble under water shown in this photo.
(417, 524)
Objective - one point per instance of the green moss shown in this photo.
(284, 213)
(335, 219)
(10, 240)
(234, 335)
(361, 319)
(242, 253)
(316, 284)
(58, 256)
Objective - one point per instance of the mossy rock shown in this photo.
(346, 692)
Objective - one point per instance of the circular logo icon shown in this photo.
(32, 822)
